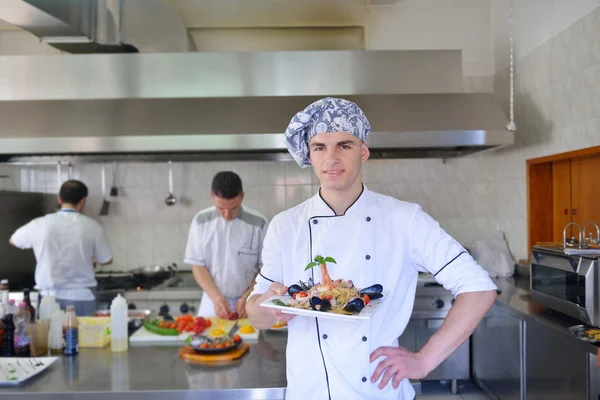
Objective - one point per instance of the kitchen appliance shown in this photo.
(432, 304)
(159, 289)
(174, 103)
(17, 209)
(565, 277)
(567, 283)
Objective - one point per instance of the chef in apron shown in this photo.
(375, 239)
(223, 248)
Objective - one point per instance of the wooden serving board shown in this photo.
(188, 354)
(145, 337)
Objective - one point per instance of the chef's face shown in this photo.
(228, 208)
(337, 158)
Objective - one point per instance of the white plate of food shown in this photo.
(16, 370)
(333, 299)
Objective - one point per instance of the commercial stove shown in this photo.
(171, 292)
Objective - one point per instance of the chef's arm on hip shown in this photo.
(462, 319)
(262, 317)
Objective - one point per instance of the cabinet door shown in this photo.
(457, 365)
(561, 199)
(585, 191)
(496, 354)
(408, 339)
(556, 368)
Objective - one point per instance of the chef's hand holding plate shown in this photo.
(398, 364)
(263, 317)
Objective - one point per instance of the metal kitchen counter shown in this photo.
(515, 299)
(157, 372)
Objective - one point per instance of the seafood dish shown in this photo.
(218, 341)
(338, 296)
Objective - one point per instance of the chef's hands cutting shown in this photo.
(221, 307)
(240, 307)
(398, 364)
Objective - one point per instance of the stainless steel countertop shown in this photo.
(157, 372)
(515, 298)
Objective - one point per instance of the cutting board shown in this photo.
(145, 337)
(188, 354)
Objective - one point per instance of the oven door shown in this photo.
(565, 284)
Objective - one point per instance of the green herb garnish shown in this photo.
(320, 260)
(279, 303)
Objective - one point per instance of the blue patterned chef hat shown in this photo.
(325, 115)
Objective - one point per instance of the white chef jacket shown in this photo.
(381, 240)
(230, 250)
(64, 244)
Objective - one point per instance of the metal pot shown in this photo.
(153, 270)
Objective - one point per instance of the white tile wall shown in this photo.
(557, 109)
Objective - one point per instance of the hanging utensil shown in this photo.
(70, 171)
(170, 200)
(105, 203)
(59, 184)
(114, 192)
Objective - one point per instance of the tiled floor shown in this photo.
(433, 390)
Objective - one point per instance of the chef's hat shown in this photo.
(325, 115)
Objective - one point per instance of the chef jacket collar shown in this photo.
(324, 209)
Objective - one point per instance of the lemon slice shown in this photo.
(247, 329)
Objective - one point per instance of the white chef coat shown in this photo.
(381, 240)
(64, 244)
(230, 250)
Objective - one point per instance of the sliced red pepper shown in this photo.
(302, 294)
(366, 298)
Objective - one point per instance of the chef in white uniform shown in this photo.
(66, 245)
(374, 239)
(223, 247)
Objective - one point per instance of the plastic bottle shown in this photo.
(118, 324)
(47, 307)
(27, 301)
(4, 292)
(21, 319)
(55, 335)
(71, 328)
(8, 338)
(3, 296)
(10, 308)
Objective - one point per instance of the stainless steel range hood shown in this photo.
(236, 105)
(101, 26)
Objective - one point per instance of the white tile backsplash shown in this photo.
(557, 107)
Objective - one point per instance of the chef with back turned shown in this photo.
(67, 245)
(374, 239)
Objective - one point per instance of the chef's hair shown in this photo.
(227, 185)
(73, 191)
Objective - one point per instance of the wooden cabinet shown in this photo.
(560, 189)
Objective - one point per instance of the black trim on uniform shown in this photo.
(270, 280)
(448, 263)
(314, 221)
(354, 202)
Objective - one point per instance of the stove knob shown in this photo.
(439, 303)
(131, 306)
(184, 308)
(164, 309)
(193, 309)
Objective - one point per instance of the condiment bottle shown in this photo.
(71, 328)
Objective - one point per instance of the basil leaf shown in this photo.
(279, 303)
(331, 260)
